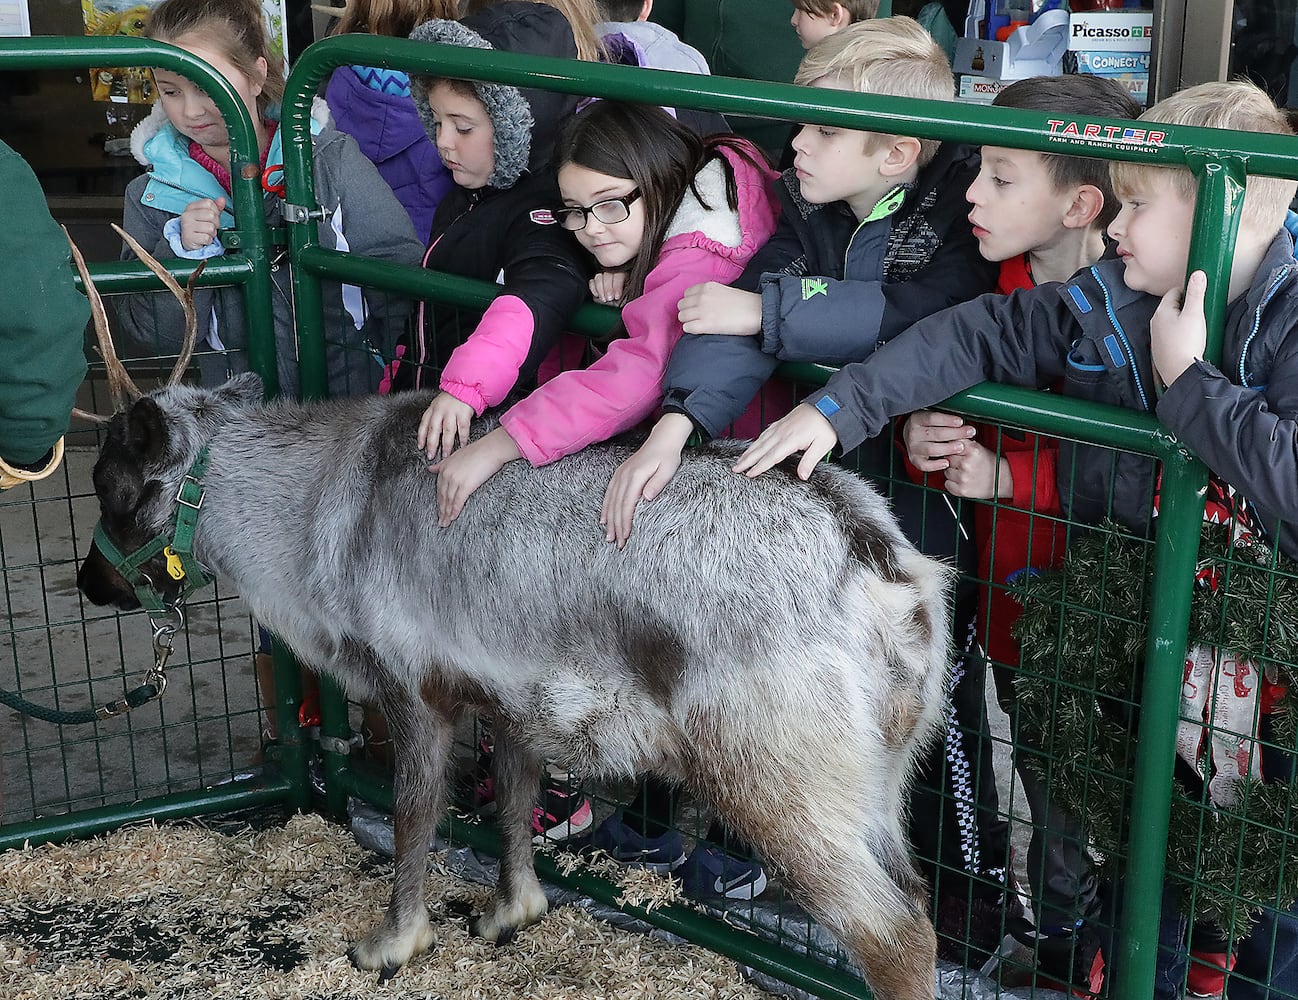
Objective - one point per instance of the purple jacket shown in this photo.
(388, 130)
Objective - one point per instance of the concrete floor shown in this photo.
(61, 652)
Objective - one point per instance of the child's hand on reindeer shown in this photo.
(804, 429)
(446, 419)
(607, 287)
(200, 222)
(644, 475)
(716, 308)
(464, 471)
(932, 437)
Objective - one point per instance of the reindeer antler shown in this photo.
(121, 387)
(184, 295)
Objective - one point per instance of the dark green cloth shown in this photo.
(751, 39)
(42, 319)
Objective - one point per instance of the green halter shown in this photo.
(177, 547)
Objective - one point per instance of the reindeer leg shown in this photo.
(519, 901)
(861, 885)
(421, 738)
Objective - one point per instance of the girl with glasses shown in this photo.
(659, 210)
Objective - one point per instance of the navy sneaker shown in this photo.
(711, 871)
(661, 854)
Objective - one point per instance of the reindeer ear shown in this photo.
(147, 430)
(242, 390)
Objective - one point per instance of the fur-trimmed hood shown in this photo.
(526, 121)
(157, 121)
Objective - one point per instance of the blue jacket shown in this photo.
(387, 128)
(1092, 335)
(361, 216)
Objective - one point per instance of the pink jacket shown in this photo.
(580, 407)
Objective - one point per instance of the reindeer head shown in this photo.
(152, 441)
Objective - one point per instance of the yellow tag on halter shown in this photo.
(174, 568)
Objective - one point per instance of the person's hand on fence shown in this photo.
(607, 287)
(200, 222)
(978, 473)
(445, 420)
(804, 429)
(1178, 331)
(716, 308)
(932, 437)
(460, 474)
(644, 475)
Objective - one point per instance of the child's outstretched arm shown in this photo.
(1021, 339)
(544, 283)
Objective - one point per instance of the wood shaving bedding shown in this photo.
(183, 911)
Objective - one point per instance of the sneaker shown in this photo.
(710, 871)
(1069, 960)
(661, 854)
(1207, 973)
(562, 814)
(970, 930)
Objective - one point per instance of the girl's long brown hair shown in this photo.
(393, 18)
(644, 144)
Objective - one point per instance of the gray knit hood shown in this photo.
(526, 121)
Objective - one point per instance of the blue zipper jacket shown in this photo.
(1091, 334)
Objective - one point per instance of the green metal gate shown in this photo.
(1219, 159)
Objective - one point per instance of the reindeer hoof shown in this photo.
(386, 949)
(506, 936)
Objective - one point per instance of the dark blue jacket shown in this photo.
(832, 287)
(1092, 335)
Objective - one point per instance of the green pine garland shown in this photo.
(1082, 637)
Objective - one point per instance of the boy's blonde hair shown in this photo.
(894, 57)
(1238, 105)
(857, 10)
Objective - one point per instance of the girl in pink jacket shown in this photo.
(660, 210)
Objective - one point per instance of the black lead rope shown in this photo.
(155, 682)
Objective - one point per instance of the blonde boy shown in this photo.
(816, 20)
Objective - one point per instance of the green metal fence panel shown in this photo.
(74, 781)
(1218, 158)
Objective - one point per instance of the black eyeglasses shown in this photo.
(609, 211)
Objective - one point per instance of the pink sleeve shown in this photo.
(483, 369)
(577, 408)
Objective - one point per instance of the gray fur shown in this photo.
(776, 646)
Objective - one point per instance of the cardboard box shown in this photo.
(1109, 63)
(979, 89)
(1037, 49)
(1111, 31)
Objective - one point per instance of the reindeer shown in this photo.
(775, 645)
